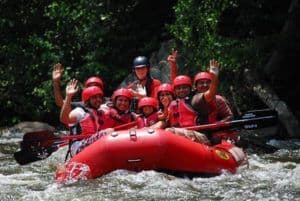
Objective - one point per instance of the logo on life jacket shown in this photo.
(222, 154)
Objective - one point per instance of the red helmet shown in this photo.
(202, 75)
(165, 87)
(87, 93)
(122, 92)
(94, 80)
(148, 101)
(182, 80)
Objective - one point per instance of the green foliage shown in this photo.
(196, 27)
(88, 37)
(237, 33)
(102, 37)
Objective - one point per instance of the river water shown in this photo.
(274, 176)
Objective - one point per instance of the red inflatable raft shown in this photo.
(148, 149)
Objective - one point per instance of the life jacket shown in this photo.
(155, 84)
(143, 121)
(115, 118)
(90, 124)
(181, 113)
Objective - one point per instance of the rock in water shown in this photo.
(25, 127)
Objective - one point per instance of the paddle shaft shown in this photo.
(250, 124)
(117, 128)
(39, 145)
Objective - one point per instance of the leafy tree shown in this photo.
(240, 34)
(88, 37)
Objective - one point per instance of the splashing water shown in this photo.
(270, 177)
(72, 172)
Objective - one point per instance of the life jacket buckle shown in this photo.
(114, 134)
(151, 131)
(132, 133)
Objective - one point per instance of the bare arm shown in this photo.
(173, 65)
(159, 124)
(210, 94)
(65, 114)
(56, 78)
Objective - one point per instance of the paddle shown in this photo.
(40, 145)
(251, 120)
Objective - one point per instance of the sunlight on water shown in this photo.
(270, 177)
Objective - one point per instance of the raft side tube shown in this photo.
(182, 154)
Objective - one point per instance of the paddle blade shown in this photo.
(260, 122)
(259, 113)
(25, 157)
(36, 146)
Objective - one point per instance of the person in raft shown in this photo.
(57, 74)
(219, 108)
(165, 95)
(149, 113)
(145, 85)
(189, 108)
(165, 92)
(84, 120)
(118, 112)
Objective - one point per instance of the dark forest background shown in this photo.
(102, 37)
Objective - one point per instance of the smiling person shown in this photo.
(144, 85)
(189, 108)
(86, 119)
(118, 113)
(57, 74)
(219, 106)
(165, 95)
(149, 113)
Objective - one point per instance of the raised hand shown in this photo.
(72, 88)
(214, 67)
(172, 57)
(57, 72)
(165, 101)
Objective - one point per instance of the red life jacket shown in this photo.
(143, 121)
(90, 124)
(181, 114)
(114, 118)
(155, 84)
